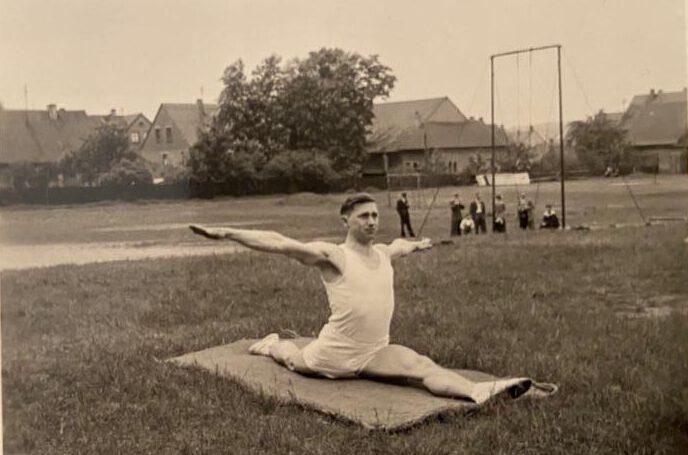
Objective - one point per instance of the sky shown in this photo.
(132, 55)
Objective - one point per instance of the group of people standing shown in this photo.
(474, 220)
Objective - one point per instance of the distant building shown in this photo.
(135, 125)
(418, 135)
(40, 137)
(173, 131)
(657, 126)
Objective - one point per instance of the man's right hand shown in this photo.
(210, 233)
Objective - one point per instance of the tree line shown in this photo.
(305, 121)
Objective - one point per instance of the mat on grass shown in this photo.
(375, 405)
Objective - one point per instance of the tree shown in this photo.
(32, 175)
(516, 158)
(98, 154)
(328, 103)
(322, 104)
(305, 170)
(126, 171)
(599, 143)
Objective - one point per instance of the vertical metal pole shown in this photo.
(385, 164)
(493, 134)
(561, 144)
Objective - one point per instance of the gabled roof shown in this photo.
(33, 136)
(400, 122)
(657, 118)
(123, 121)
(467, 134)
(188, 117)
(406, 125)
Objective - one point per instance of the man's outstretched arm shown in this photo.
(402, 247)
(312, 253)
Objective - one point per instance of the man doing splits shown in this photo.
(358, 277)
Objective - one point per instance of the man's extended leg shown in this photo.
(395, 361)
(283, 352)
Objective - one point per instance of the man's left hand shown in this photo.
(424, 244)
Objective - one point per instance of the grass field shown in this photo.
(601, 313)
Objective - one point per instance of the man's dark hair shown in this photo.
(353, 200)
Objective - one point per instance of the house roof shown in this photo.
(124, 121)
(33, 136)
(445, 135)
(405, 125)
(188, 118)
(657, 118)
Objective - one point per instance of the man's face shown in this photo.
(363, 221)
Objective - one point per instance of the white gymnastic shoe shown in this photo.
(483, 391)
(263, 346)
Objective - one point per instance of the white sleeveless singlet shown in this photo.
(361, 305)
(362, 299)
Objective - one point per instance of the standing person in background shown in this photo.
(530, 208)
(404, 216)
(456, 216)
(499, 224)
(477, 210)
(523, 214)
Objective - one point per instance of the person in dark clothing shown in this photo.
(523, 212)
(403, 211)
(477, 210)
(549, 219)
(499, 224)
(456, 216)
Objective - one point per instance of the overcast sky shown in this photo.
(134, 54)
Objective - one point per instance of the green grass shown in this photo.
(80, 348)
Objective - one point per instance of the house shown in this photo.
(135, 125)
(656, 124)
(40, 136)
(418, 135)
(173, 131)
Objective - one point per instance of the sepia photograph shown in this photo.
(344, 227)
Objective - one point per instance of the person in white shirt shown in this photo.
(467, 225)
(359, 280)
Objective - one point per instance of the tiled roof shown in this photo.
(188, 118)
(657, 119)
(468, 134)
(33, 136)
(397, 125)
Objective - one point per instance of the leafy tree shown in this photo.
(599, 143)
(29, 175)
(251, 110)
(98, 154)
(323, 103)
(126, 171)
(328, 103)
(516, 158)
(306, 170)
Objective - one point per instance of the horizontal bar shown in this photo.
(523, 51)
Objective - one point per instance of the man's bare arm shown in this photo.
(401, 247)
(312, 253)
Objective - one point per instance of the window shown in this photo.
(157, 134)
(164, 159)
(415, 165)
(182, 156)
(168, 133)
(135, 138)
(145, 135)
